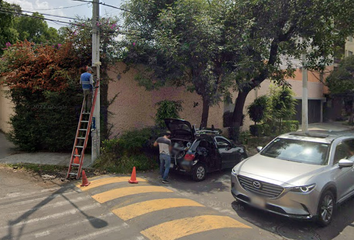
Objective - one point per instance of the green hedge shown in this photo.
(45, 120)
(133, 149)
(266, 129)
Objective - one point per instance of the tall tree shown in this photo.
(181, 42)
(8, 33)
(34, 28)
(276, 31)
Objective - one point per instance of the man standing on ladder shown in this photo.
(86, 80)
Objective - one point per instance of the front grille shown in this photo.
(265, 190)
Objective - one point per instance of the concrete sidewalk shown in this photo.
(10, 156)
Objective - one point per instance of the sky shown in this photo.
(59, 7)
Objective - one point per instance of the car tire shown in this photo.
(199, 172)
(326, 207)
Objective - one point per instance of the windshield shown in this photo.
(297, 151)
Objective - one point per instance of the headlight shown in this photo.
(303, 189)
(233, 171)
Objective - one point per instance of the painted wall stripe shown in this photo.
(141, 208)
(104, 181)
(127, 191)
(187, 226)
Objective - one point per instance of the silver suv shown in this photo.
(299, 175)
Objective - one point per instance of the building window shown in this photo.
(350, 53)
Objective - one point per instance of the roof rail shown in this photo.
(310, 134)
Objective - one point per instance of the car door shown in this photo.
(227, 153)
(344, 177)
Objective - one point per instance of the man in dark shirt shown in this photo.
(164, 144)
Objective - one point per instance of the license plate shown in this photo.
(259, 202)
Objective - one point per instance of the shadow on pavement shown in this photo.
(21, 220)
(298, 229)
(214, 182)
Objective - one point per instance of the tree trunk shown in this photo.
(205, 113)
(237, 116)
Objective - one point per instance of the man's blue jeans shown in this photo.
(165, 162)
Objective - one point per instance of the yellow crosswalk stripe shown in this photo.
(186, 226)
(141, 208)
(127, 191)
(104, 181)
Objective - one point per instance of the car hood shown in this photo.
(277, 171)
(180, 129)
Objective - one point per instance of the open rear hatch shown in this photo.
(180, 129)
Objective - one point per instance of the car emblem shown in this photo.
(256, 184)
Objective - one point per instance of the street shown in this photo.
(111, 208)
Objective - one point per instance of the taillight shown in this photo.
(189, 157)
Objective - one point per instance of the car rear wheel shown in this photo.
(326, 208)
(199, 172)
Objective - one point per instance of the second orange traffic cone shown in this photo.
(76, 159)
(85, 182)
(133, 177)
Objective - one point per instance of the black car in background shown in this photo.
(198, 152)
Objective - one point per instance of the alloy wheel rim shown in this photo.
(200, 172)
(327, 208)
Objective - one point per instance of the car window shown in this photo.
(222, 143)
(298, 151)
(344, 149)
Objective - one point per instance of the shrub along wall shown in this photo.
(131, 149)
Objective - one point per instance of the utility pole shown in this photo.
(95, 134)
(304, 124)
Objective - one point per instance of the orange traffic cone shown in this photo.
(76, 159)
(133, 177)
(85, 182)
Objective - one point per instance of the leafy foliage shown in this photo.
(271, 33)
(181, 42)
(8, 33)
(258, 108)
(133, 148)
(282, 103)
(274, 112)
(167, 109)
(341, 80)
(35, 29)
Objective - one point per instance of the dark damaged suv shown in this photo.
(197, 152)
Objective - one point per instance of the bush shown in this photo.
(45, 120)
(167, 109)
(258, 108)
(255, 130)
(133, 148)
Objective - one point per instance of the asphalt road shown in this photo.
(111, 208)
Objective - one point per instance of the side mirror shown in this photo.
(345, 163)
(259, 148)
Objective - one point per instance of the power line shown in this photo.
(48, 19)
(51, 15)
(104, 4)
(58, 8)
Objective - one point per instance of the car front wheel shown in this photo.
(199, 172)
(326, 208)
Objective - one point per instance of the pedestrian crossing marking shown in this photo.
(186, 226)
(104, 181)
(127, 191)
(141, 208)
